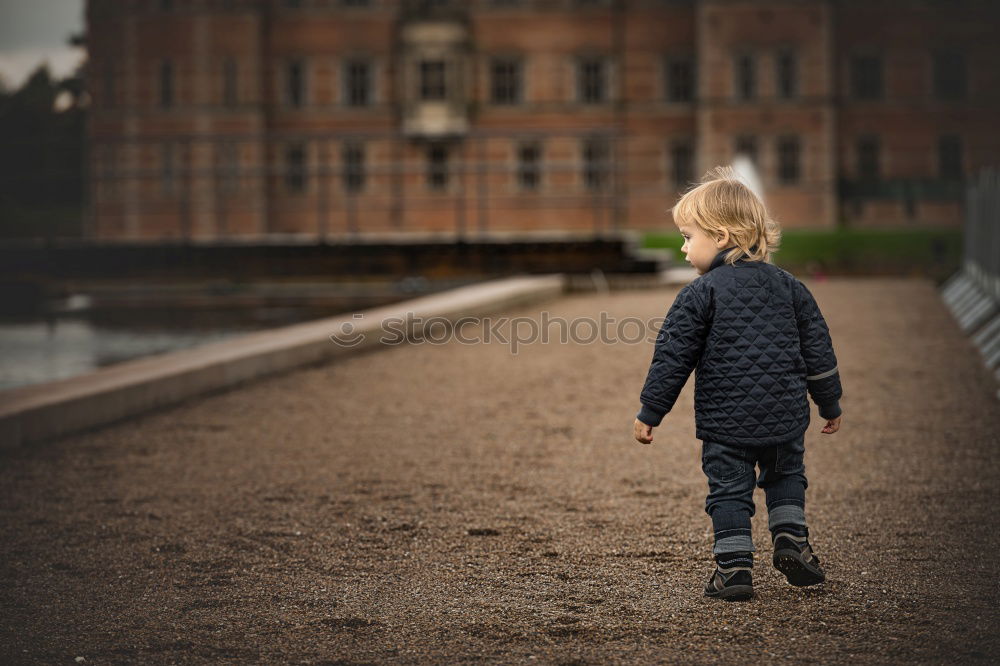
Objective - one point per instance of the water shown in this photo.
(38, 351)
(41, 349)
(748, 173)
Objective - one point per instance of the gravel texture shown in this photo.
(459, 503)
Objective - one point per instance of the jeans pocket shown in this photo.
(789, 457)
(722, 464)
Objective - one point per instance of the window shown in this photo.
(354, 167)
(789, 169)
(228, 166)
(506, 81)
(592, 80)
(168, 168)
(681, 163)
(596, 163)
(295, 81)
(866, 77)
(746, 144)
(950, 157)
(868, 158)
(358, 83)
(355, 3)
(230, 96)
(437, 167)
(110, 92)
(679, 83)
(745, 82)
(295, 168)
(528, 165)
(166, 84)
(786, 74)
(949, 75)
(108, 170)
(432, 80)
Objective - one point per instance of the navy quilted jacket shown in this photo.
(757, 342)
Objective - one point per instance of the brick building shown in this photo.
(330, 119)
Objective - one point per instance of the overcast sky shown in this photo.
(36, 31)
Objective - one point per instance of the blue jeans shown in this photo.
(731, 479)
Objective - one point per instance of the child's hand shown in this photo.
(643, 433)
(832, 425)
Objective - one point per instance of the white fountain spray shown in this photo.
(747, 172)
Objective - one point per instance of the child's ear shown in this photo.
(723, 240)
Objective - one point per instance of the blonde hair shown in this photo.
(721, 201)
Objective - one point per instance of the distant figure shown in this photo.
(759, 342)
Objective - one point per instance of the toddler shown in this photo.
(759, 343)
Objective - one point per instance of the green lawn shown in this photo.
(934, 253)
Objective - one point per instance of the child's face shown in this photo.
(699, 249)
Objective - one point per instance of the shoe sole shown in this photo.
(798, 573)
(733, 593)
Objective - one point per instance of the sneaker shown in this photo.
(733, 584)
(793, 557)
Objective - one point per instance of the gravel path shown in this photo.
(460, 503)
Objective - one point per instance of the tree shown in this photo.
(41, 165)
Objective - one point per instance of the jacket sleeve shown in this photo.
(822, 375)
(677, 351)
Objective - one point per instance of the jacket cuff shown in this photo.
(830, 410)
(651, 416)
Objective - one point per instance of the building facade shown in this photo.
(305, 120)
